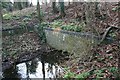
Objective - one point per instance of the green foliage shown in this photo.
(44, 24)
(10, 17)
(39, 29)
(69, 74)
(7, 5)
(12, 53)
(72, 26)
(56, 24)
(23, 24)
(82, 75)
(16, 17)
(41, 13)
(26, 19)
(113, 69)
(112, 34)
(116, 8)
(98, 73)
(7, 16)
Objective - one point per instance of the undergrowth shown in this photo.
(71, 26)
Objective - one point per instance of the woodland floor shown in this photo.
(103, 63)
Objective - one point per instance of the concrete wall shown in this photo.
(73, 42)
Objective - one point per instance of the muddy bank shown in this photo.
(28, 56)
(21, 47)
(9, 62)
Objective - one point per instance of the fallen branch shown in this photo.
(105, 34)
(107, 31)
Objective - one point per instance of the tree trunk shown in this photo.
(18, 5)
(46, 2)
(31, 4)
(25, 4)
(54, 7)
(62, 11)
(38, 10)
(1, 17)
(68, 2)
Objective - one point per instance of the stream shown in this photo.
(44, 66)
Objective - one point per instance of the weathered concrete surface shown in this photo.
(73, 42)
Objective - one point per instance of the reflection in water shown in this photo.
(32, 65)
(44, 66)
(22, 68)
(43, 69)
(49, 71)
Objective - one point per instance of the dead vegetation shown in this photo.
(103, 23)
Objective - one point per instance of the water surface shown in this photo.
(44, 66)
